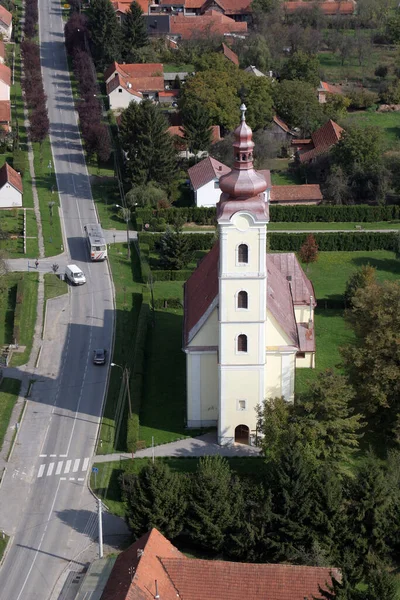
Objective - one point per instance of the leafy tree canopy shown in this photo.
(302, 67)
(296, 102)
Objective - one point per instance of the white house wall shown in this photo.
(4, 91)
(121, 99)
(207, 195)
(202, 392)
(10, 197)
(6, 31)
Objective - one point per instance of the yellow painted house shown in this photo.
(249, 314)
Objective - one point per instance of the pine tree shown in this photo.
(105, 32)
(309, 251)
(151, 155)
(381, 586)
(197, 128)
(210, 512)
(174, 250)
(327, 407)
(156, 497)
(134, 33)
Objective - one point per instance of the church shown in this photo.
(248, 314)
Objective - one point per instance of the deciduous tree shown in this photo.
(296, 102)
(360, 278)
(309, 250)
(302, 67)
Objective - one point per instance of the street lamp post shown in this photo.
(126, 376)
(125, 212)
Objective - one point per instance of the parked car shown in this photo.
(99, 356)
(75, 275)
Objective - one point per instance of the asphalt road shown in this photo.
(44, 500)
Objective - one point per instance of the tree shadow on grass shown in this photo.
(390, 265)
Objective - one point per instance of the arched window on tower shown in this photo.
(242, 343)
(243, 300)
(243, 253)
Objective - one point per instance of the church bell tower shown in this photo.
(242, 215)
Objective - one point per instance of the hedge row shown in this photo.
(198, 241)
(137, 377)
(280, 214)
(331, 242)
(18, 310)
(168, 303)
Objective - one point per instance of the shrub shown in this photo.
(332, 242)
(360, 99)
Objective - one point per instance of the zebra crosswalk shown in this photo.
(64, 467)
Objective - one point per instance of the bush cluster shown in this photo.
(31, 18)
(333, 242)
(35, 97)
(191, 214)
(198, 241)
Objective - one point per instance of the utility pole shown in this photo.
(100, 528)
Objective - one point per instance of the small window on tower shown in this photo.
(243, 253)
(241, 405)
(242, 343)
(242, 299)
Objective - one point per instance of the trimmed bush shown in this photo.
(332, 242)
(198, 241)
(168, 303)
(18, 310)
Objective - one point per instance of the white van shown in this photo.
(75, 275)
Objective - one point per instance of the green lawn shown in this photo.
(106, 484)
(106, 196)
(351, 71)
(388, 123)
(54, 286)
(3, 545)
(9, 391)
(176, 68)
(274, 226)
(285, 177)
(28, 317)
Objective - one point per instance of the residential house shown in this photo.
(153, 568)
(5, 115)
(321, 141)
(256, 72)
(211, 23)
(169, 78)
(123, 6)
(11, 189)
(327, 7)
(180, 143)
(248, 314)
(5, 23)
(325, 89)
(230, 54)
(290, 195)
(2, 52)
(239, 10)
(5, 82)
(133, 82)
(168, 97)
(280, 131)
(204, 181)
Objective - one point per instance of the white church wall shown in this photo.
(273, 376)
(288, 366)
(274, 334)
(306, 362)
(302, 314)
(231, 289)
(208, 333)
(202, 393)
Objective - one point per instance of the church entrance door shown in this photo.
(242, 434)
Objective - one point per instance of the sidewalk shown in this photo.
(204, 445)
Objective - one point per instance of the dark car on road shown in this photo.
(99, 356)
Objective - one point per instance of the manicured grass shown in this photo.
(176, 68)
(9, 390)
(285, 178)
(351, 71)
(32, 244)
(28, 317)
(46, 185)
(127, 299)
(388, 123)
(3, 545)
(106, 196)
(274, 226)
(332, 269)
(54, 286)
(107, 479)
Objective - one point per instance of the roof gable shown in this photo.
(5, 74)
(205, 171)
(323, 139)
(10, 176)
(5, 16)
(212, 22)
(230, 54)
(296, 193)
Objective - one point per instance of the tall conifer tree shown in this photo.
(134, 33)
(105, 33)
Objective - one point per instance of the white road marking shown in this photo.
(63, 479)
(41, 470)
(81, 479)
(68, 466)
(72, 478)
(76, 465)
(50, 469)
(63, 455)
(53, 455)
(59, 467)
(42, 455)
(85, 464)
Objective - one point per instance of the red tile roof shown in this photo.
(122, 7)
(5, 16)
(134, 70)
(230, 55)
(291, 194)
(9, 175)
(289, 266)
(5, 111)
(2, 50)
(323, 139)
(231, 7)
(205, 171)
(169, 94)
(135, 78)
(278, 121)
(5, 74)
(220, 580)
(211, 23)
(330, 7)
(194, 3)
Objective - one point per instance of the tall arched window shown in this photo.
(242, 300)
(242, 343)
(243, 253)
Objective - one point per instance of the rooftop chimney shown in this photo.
(140, 552)
(157, 594)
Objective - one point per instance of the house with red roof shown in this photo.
(181, 145)
(204, 181)
(5, 23)
(5, 115)
(321, 141)
(2, 52)
(121, 7)
(230, 54)
(11, 189)
(126, 83)
(330, 8)
(325, 89)
(153, 568)
(239, 10)
(248, 313)
(211, 23)
(5, 82)
(291, 195)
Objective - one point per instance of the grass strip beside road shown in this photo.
(9, 391)
(106, 196)
(28, 318)
(54, 286)
(3, 544)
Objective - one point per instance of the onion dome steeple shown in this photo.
(243, 181)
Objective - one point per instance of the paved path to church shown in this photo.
(204, 445)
